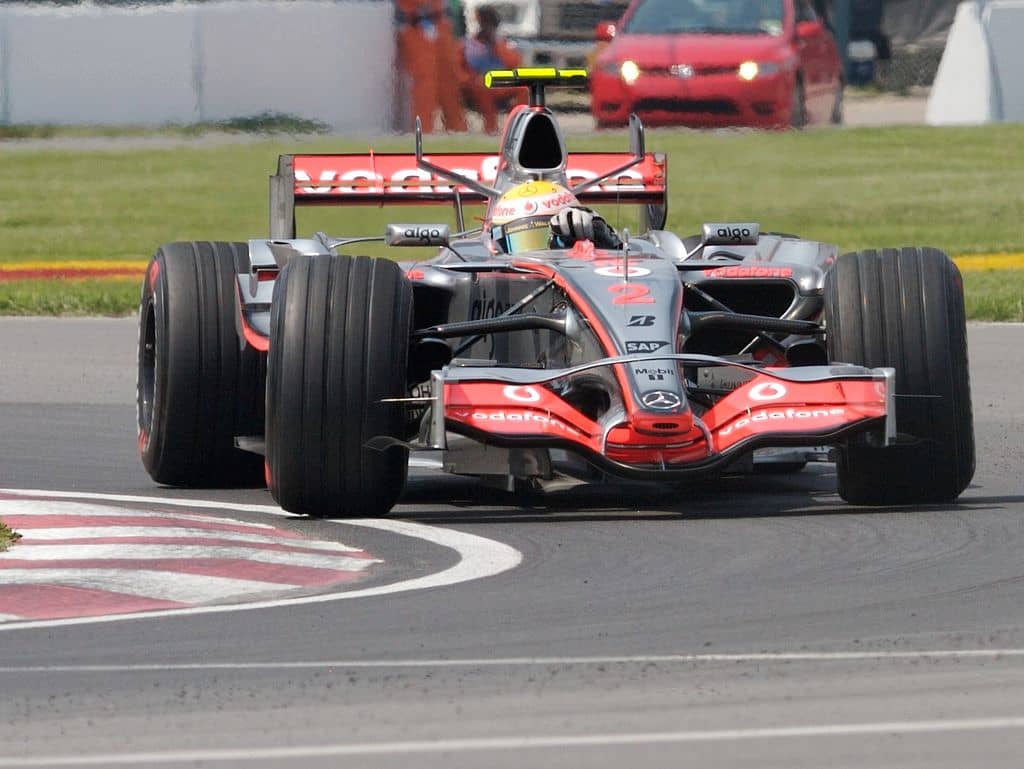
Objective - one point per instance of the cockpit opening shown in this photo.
(541, 146)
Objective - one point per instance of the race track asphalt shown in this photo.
(642, 628)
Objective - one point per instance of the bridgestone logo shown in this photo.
(783, 415)
(751, 272)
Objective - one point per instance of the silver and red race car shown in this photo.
(655, 358)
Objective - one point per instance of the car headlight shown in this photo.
(630, 71)
(749, 70)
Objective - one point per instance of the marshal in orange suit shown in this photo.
(428, 55)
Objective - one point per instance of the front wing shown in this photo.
(812, 405)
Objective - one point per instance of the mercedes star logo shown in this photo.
(659, 399)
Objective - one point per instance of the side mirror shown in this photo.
(605, 31)
(417, 235)
(731, 234)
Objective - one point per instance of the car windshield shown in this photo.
(716, 17)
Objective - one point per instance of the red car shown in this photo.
(711, 63)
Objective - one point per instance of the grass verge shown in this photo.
(69, 297)
(955, 188)
(7, 537)
(997, 296)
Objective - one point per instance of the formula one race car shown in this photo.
(544, 347)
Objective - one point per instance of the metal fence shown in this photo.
(911, 66)
(917, 30)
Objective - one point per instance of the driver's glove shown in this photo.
(572, 224)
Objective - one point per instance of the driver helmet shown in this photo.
(521, 218)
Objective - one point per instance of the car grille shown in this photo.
(576, 19)
(691, 70)
(717, 70)
(688, 106)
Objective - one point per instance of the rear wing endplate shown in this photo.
(395, 179)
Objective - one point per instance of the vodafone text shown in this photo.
(782, 415)
(750, 272)
(413, 180)
(517, 416)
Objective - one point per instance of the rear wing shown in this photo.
(394, 179)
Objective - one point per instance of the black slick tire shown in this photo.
(904, 308)
(198, 386)
(339, 344)
(836, 118)
(798, 110)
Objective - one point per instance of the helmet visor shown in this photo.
(530, 234)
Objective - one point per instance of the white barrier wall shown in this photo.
(1006, 32)
(330, 61)
(981, 76)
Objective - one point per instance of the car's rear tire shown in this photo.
(339, 343)
(798, 109)
(904, 308)
(836, 118)
(198, 386)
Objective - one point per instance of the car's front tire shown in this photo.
(339, 343)
(904, 308)
(198, 386)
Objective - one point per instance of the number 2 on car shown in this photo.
(631, 293)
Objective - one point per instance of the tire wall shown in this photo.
(328, 61)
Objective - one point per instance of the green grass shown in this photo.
(69, 297)
(7, 537)
(955, 188)
(995, 295)
(988, 295)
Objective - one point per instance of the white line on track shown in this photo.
(479, 557)
(635, 659)
(43, 507)
(173, 532)
(145, 583)
(559, 741)
(108, 552)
